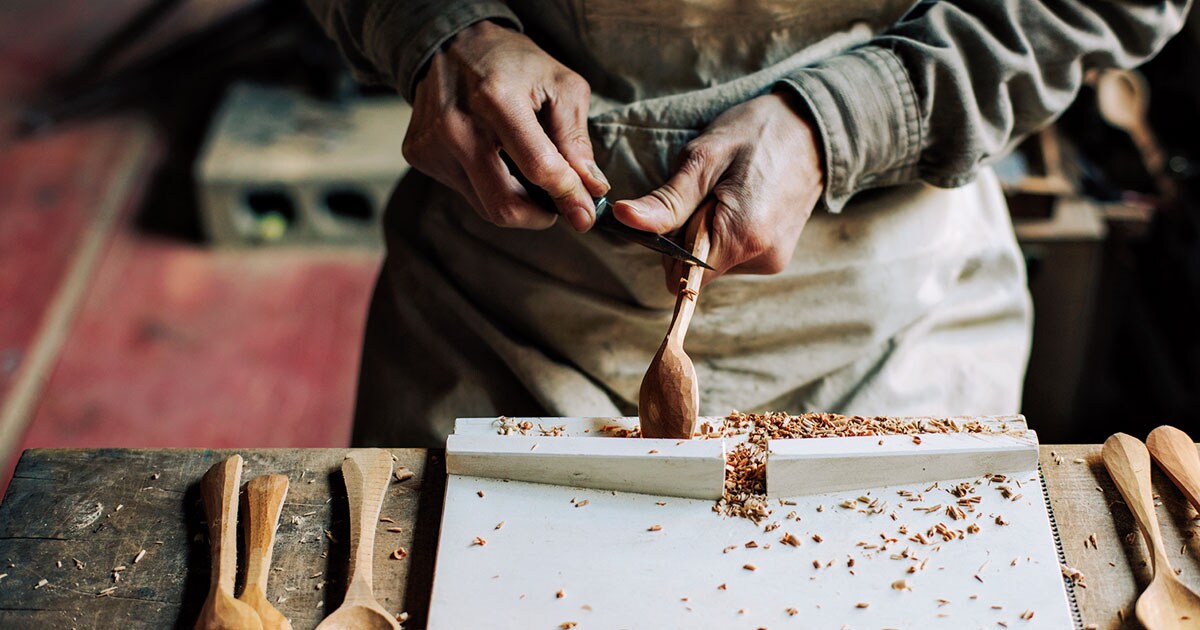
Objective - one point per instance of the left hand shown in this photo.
(761, 163)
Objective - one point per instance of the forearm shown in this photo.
(958, 83)
(387, 42)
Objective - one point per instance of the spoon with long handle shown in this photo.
(264, 503)
(669, 399)
(219, 487)
(1167, 603)
(1176, 454)
(367, 473)
(1123, 98)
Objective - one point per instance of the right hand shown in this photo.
(491, 89)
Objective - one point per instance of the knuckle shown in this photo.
(695, 156)
(504, 215)
(489, 92)
(670, 197)
(574, 85)
(549, 172)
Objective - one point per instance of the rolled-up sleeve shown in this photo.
(956, 84)
(387, 42)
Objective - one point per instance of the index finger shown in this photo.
(539, 160)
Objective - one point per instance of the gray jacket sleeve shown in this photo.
(366, 31)
(958, 83)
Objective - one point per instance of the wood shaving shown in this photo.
(654, 528)
(749, 567)
(138, 558)
(400, 553)
(395, 530)
(404, 474)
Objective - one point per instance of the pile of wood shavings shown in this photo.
(746, 465)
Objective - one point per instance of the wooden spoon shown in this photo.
(264, 502)
(1167, 602)
(669, 400)
(219, 487)
(1123, 99)
(1176, 454)
(367, 473)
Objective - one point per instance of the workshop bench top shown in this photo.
(72, 516)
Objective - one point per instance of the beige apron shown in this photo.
(911, 300)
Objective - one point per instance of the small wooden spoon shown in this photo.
(669, 400)
(1167, 602)
(1176, 454)
(1123, 98)
(219, 487)
(367, 473)
(264, 502)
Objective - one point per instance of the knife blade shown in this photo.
(606, 222)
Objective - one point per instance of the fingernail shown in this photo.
(597, 173)
(580, 218)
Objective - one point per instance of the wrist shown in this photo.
(797, 115)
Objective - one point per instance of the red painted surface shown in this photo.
(182, 346)
(50, 188)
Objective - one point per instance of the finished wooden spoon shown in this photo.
(264, 503)
(1176, 454)
(669, 400)
(219, 487)
(367, 473)
(1167, 603)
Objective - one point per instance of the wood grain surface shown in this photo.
(1085, 501)
(63, 505)
(102, 506)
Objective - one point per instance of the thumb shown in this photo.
(669, 207)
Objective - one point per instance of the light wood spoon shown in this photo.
(669, 400)
(1167, 603)
(367, 473)
(219, 487)
(264, 503)
(1176, 454)
(1123, 98)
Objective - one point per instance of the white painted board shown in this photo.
(804, 466)
(602, 556)
(677, 468)
(614, 572)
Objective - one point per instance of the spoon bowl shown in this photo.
(359, 616)
(1168, 604)
(669, 399)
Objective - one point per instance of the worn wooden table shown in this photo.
(72, 516)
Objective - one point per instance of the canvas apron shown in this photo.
(912, 300)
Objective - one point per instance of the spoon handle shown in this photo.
(1176, 455)
(1128, 464)
(264, 503)
(367, 473)
(219, 488)
(689, 283)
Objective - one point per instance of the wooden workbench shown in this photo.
(102, 506)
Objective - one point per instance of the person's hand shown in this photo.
(761, 163)
(491, 89)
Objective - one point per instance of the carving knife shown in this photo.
(606, 222)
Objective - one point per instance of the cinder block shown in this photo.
(282, 168)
